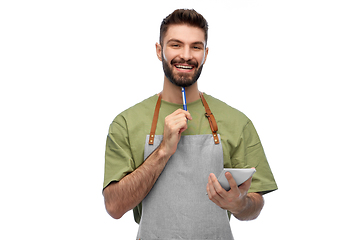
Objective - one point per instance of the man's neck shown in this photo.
(172, 93)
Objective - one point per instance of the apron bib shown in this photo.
(177, 206)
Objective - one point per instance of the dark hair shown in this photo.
(184, 16)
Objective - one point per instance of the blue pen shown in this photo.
(184, 98)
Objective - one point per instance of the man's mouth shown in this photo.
(184, 67)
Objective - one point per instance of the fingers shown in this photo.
(214, 188)
(187, 115)
(181, 112)
(231, 180)
(211, 192)
(177, 121)
(229, 200)
(217, 192)
(178, 116)
(174, 125)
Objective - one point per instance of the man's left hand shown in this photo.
(233, 200)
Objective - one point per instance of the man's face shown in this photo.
(183, 54)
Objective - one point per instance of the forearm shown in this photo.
(126, 194)
(253, 204)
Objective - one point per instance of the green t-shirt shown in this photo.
(241, 144)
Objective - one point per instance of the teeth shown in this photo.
(184, 66)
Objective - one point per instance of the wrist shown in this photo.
(162, 153)
(250, 208)
(167, 150)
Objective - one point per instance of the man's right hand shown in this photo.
(174, 125)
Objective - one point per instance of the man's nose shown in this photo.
(186, 53)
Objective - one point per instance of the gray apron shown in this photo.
(177, 206)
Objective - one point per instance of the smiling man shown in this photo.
(162, 161)
(186, 52)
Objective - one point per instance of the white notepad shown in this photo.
(239, 174)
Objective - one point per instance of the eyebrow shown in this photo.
(178, 41)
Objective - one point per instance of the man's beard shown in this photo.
(184, 80)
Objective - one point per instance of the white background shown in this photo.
(67, 68)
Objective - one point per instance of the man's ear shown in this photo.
(206, 53)
(158, 51)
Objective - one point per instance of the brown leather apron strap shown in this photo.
(211, 118)
(155, 120)
(208, 114)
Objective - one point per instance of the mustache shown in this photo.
(180, 61)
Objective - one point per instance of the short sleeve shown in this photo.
(254, 156)
(118, 157)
